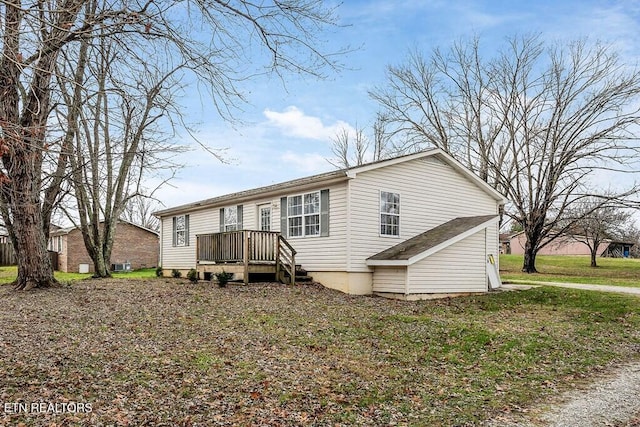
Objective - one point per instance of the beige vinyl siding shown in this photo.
(389, 279)
(314, 253)
(460, 267)
(493, 243)
(431, 193)
(184, 257)
(328, 253)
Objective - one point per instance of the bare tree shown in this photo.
(535, 121)
(118, 140)
(139, 210)
(592, 223)
(355, 148)
(380, 138)
(215, 40)
(349, 150)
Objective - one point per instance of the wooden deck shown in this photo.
(245, 252)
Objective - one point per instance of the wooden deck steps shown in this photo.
(301, 275)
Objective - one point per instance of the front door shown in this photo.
(264, 213)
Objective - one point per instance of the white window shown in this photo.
(389, 214)
(231, 218)
(303, 217)
(265, 218)
(55, 244)
(180, 230)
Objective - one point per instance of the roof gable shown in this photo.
(431, 241)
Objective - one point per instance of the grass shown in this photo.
(574, 269)
(9, 274)
(163, 351)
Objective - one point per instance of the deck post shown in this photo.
(245, 256)
(278, 266)
(293, 268)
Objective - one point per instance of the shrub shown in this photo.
(176, 273)
(223, 278)
(192, 275)
(158, 271)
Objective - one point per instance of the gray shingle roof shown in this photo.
(431, 238)
(320, 179)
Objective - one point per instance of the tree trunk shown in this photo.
(593, 257)
(34, 265)
(530, 252)
(100, 267)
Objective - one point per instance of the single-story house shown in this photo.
(572, 245)
(402, 227)
(134, 247)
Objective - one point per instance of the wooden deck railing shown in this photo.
(285, 261)
(248, 246)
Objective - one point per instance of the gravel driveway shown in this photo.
(613, 400)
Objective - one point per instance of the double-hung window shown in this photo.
(303, 217)
(181, 230)
(231, 218)
(389, 214)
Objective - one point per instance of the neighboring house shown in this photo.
(505, 243)
(407, 226)
(572, 245)
(134, 247)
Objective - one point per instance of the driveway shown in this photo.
(519, 284)
(611, 400)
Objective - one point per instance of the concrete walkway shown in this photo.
(518, 284)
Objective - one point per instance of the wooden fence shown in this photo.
(7, 255)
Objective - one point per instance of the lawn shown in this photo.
(576, 269)
(166, 352)
(9, 274)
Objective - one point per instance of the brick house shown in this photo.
(133, 245)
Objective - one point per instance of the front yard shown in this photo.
(165, 352)
(576, 269)
(9, 273)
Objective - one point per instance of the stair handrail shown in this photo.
(285, 260)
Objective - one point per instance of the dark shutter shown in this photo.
(186, 230)
(239, 217)
(324, 213)
(283, 217)
(174, 231)
(221, 220)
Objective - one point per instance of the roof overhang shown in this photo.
(302, 184)
(432, 250)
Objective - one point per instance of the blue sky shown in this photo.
(286, 130)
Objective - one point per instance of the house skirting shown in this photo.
(343, 281)
(418, 297)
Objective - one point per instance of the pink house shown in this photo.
(566, 245)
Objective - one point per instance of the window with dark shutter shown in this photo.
(305, 215)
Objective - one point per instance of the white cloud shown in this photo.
(294, 122)
(308, 163)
